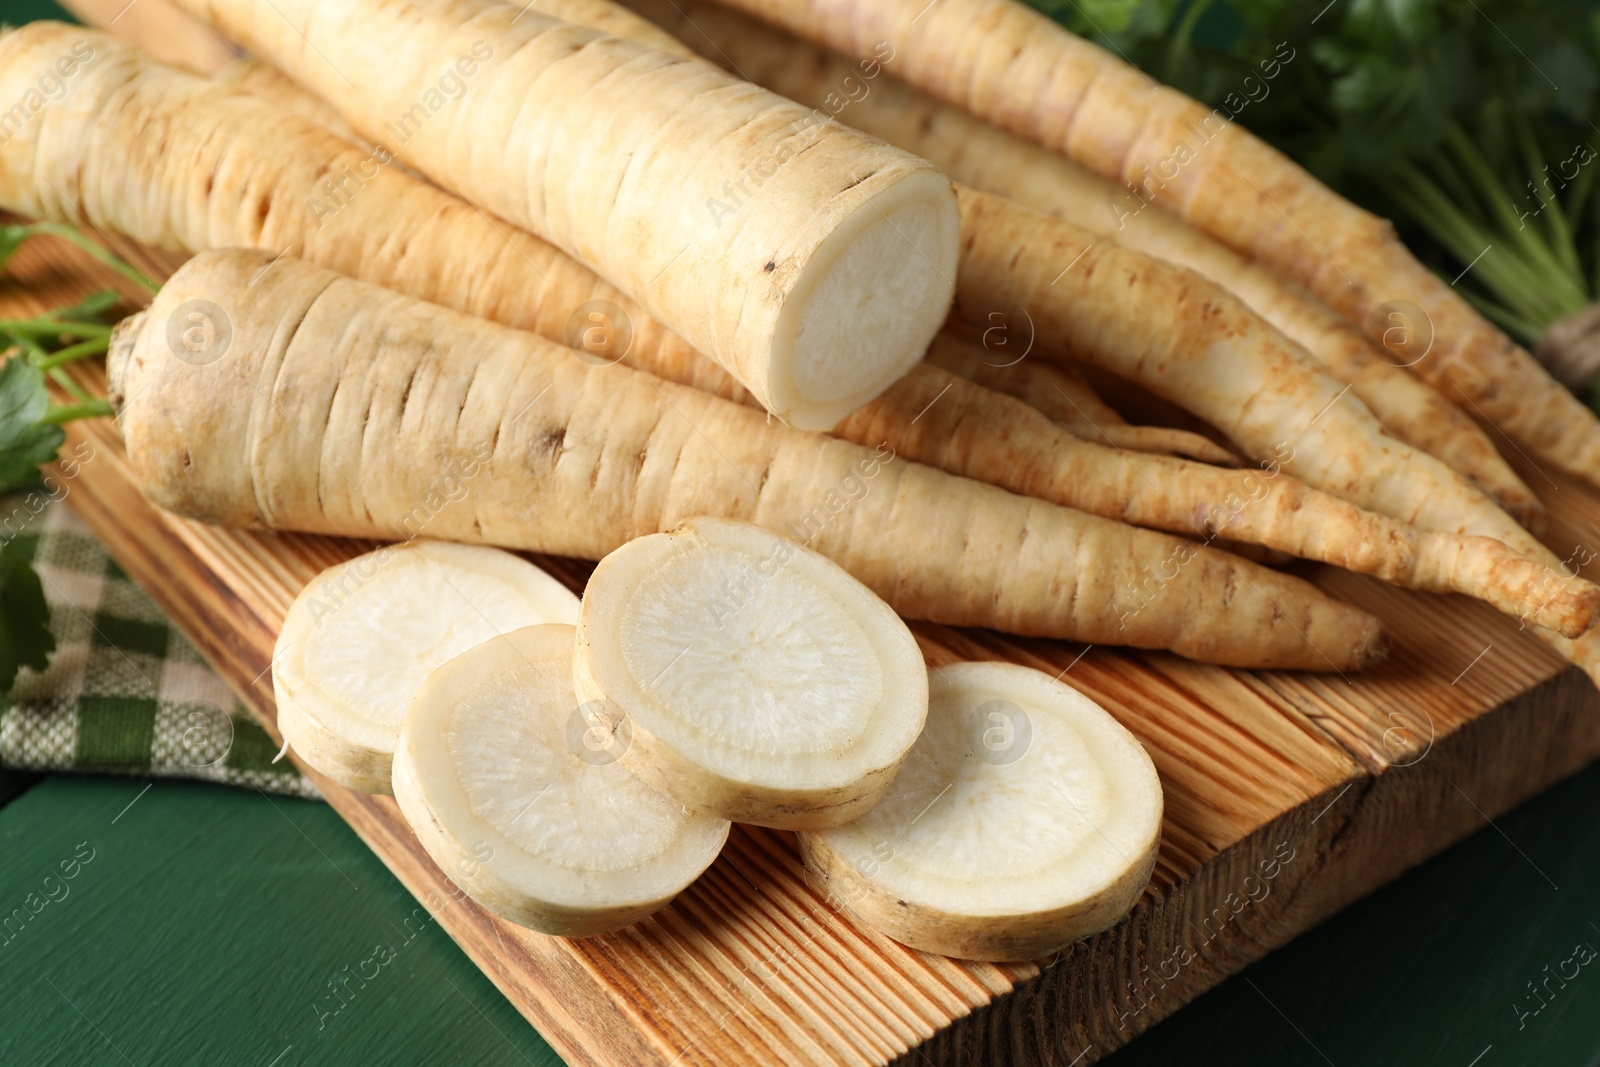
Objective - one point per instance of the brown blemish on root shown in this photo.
(552, 441)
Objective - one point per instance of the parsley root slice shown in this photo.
(1025, 818)
(761, 683)
(497, 776)
(812, 261)
(989, 158)
(363, 635)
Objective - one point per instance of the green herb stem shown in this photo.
(1178, 44)
(1556, 278)
(1464, 240)
(92, 347)
(48, 326)
(1578, 199)
(1512, 276)
(64, 380)
(100, 255)
(86, 409)
(1552, 214)
(1461, 195)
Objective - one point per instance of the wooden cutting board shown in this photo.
(1288, 795)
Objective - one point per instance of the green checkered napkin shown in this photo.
(125, 692)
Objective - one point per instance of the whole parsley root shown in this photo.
(989, 158)
(1016, 68)
(1224, 363)
(933, 416)
(1208, 353)
(812, 261)
(930, 416)
(342, 408)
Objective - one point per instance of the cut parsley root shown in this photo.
(810, 260)
(929, 416)
(361, 638)
(988, 158)
(495, 775)
(1024, 819)
(760, 682)
(1011, 65)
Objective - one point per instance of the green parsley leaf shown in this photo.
(25, 638)
(11, 238)
(25, 441)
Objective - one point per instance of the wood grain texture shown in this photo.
(1288, 795)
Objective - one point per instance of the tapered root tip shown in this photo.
(1372, 645)
(1572, 612)
(1340, 638)
(1531, 515)
(1373, 648)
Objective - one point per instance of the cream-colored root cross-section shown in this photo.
(813, 261)
(757, 679)
(496, 774)
(360, 639)
(1025, 818)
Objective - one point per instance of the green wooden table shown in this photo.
(208, 925)
(213, 925)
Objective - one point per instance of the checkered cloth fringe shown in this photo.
(125, 692)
